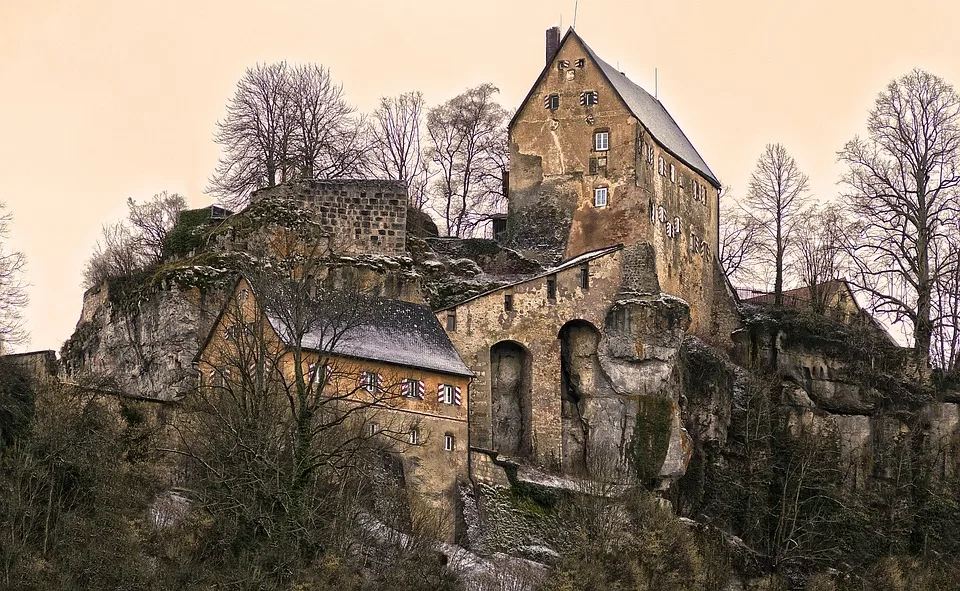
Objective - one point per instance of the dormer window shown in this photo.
(589, 97)
(601, 141)
(551, 101)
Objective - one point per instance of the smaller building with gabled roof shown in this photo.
(385, 367)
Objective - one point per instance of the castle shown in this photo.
(570, 363)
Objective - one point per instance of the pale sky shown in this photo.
(104, 100)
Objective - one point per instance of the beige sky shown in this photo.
(104, 100)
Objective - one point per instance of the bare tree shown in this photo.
(397, 148)
(468, 144)
(819, 244)
(152, 220)
(775, 198)
(902, 189)
(740, 241)
(255, 134)
(13, 295)
(326, 133)
(946, 301)
(285, 122)
(115, 255)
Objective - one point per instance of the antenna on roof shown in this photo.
(577, 2)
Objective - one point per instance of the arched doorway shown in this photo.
(579, 369)
(510, 382)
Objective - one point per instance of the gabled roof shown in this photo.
(648, 110)
(378, 329)
(390, 331)
(561, 266)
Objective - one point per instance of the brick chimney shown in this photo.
(553, 42)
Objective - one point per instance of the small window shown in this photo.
(449, 394)
(585, 277)
(673, 173)
(601, 141)
(448, 442)
(412, 388)
(414, 436)
(579, 63)
(452, 321)
(508, 302)
(589, 97)
(551, 101)
(600, 197)
(552, 288)
(662, 166)
(373, 429)
(371, 381)
(563, 64)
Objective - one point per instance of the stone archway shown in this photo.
(510, 386)
(579, 373)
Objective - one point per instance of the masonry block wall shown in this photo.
(365, 216)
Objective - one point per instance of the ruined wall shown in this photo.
(364, 216)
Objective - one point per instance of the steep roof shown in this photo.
(390, 331)
(561, 266)
(650, 111)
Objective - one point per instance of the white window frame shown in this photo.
(600, 196)
(414, 436)
(374, 429)
(601, 141)
(673, 173)
(449, 393)
(448, 442)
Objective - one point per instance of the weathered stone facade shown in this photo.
(575, 368)
(652, 194)
(364, 216)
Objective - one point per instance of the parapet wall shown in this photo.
(363, 216)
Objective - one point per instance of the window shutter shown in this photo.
(546, 102)
(379, 382)
(329, 372)
(583, 98)
(440, 393)
(457, 396)
(405, 388)
(420, 389)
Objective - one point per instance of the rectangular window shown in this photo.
(414, 436)
(508, 302)
(452, 321)
(600, 197)
(374, 429)
(551, 101)
(589, 97)
(446, 394)
(585, 277)
(412, 388)
(601, 141)
(673, 173)
(579, 63)
(448, 442)
(563, 64)
(552, 288)
(370, 381)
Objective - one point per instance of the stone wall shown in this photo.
(362, 216)
(594, 355)
(652, 196)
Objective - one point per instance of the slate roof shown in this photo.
(561, 266)
(390, 331)
(654, 116)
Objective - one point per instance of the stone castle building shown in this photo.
(609, 193)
